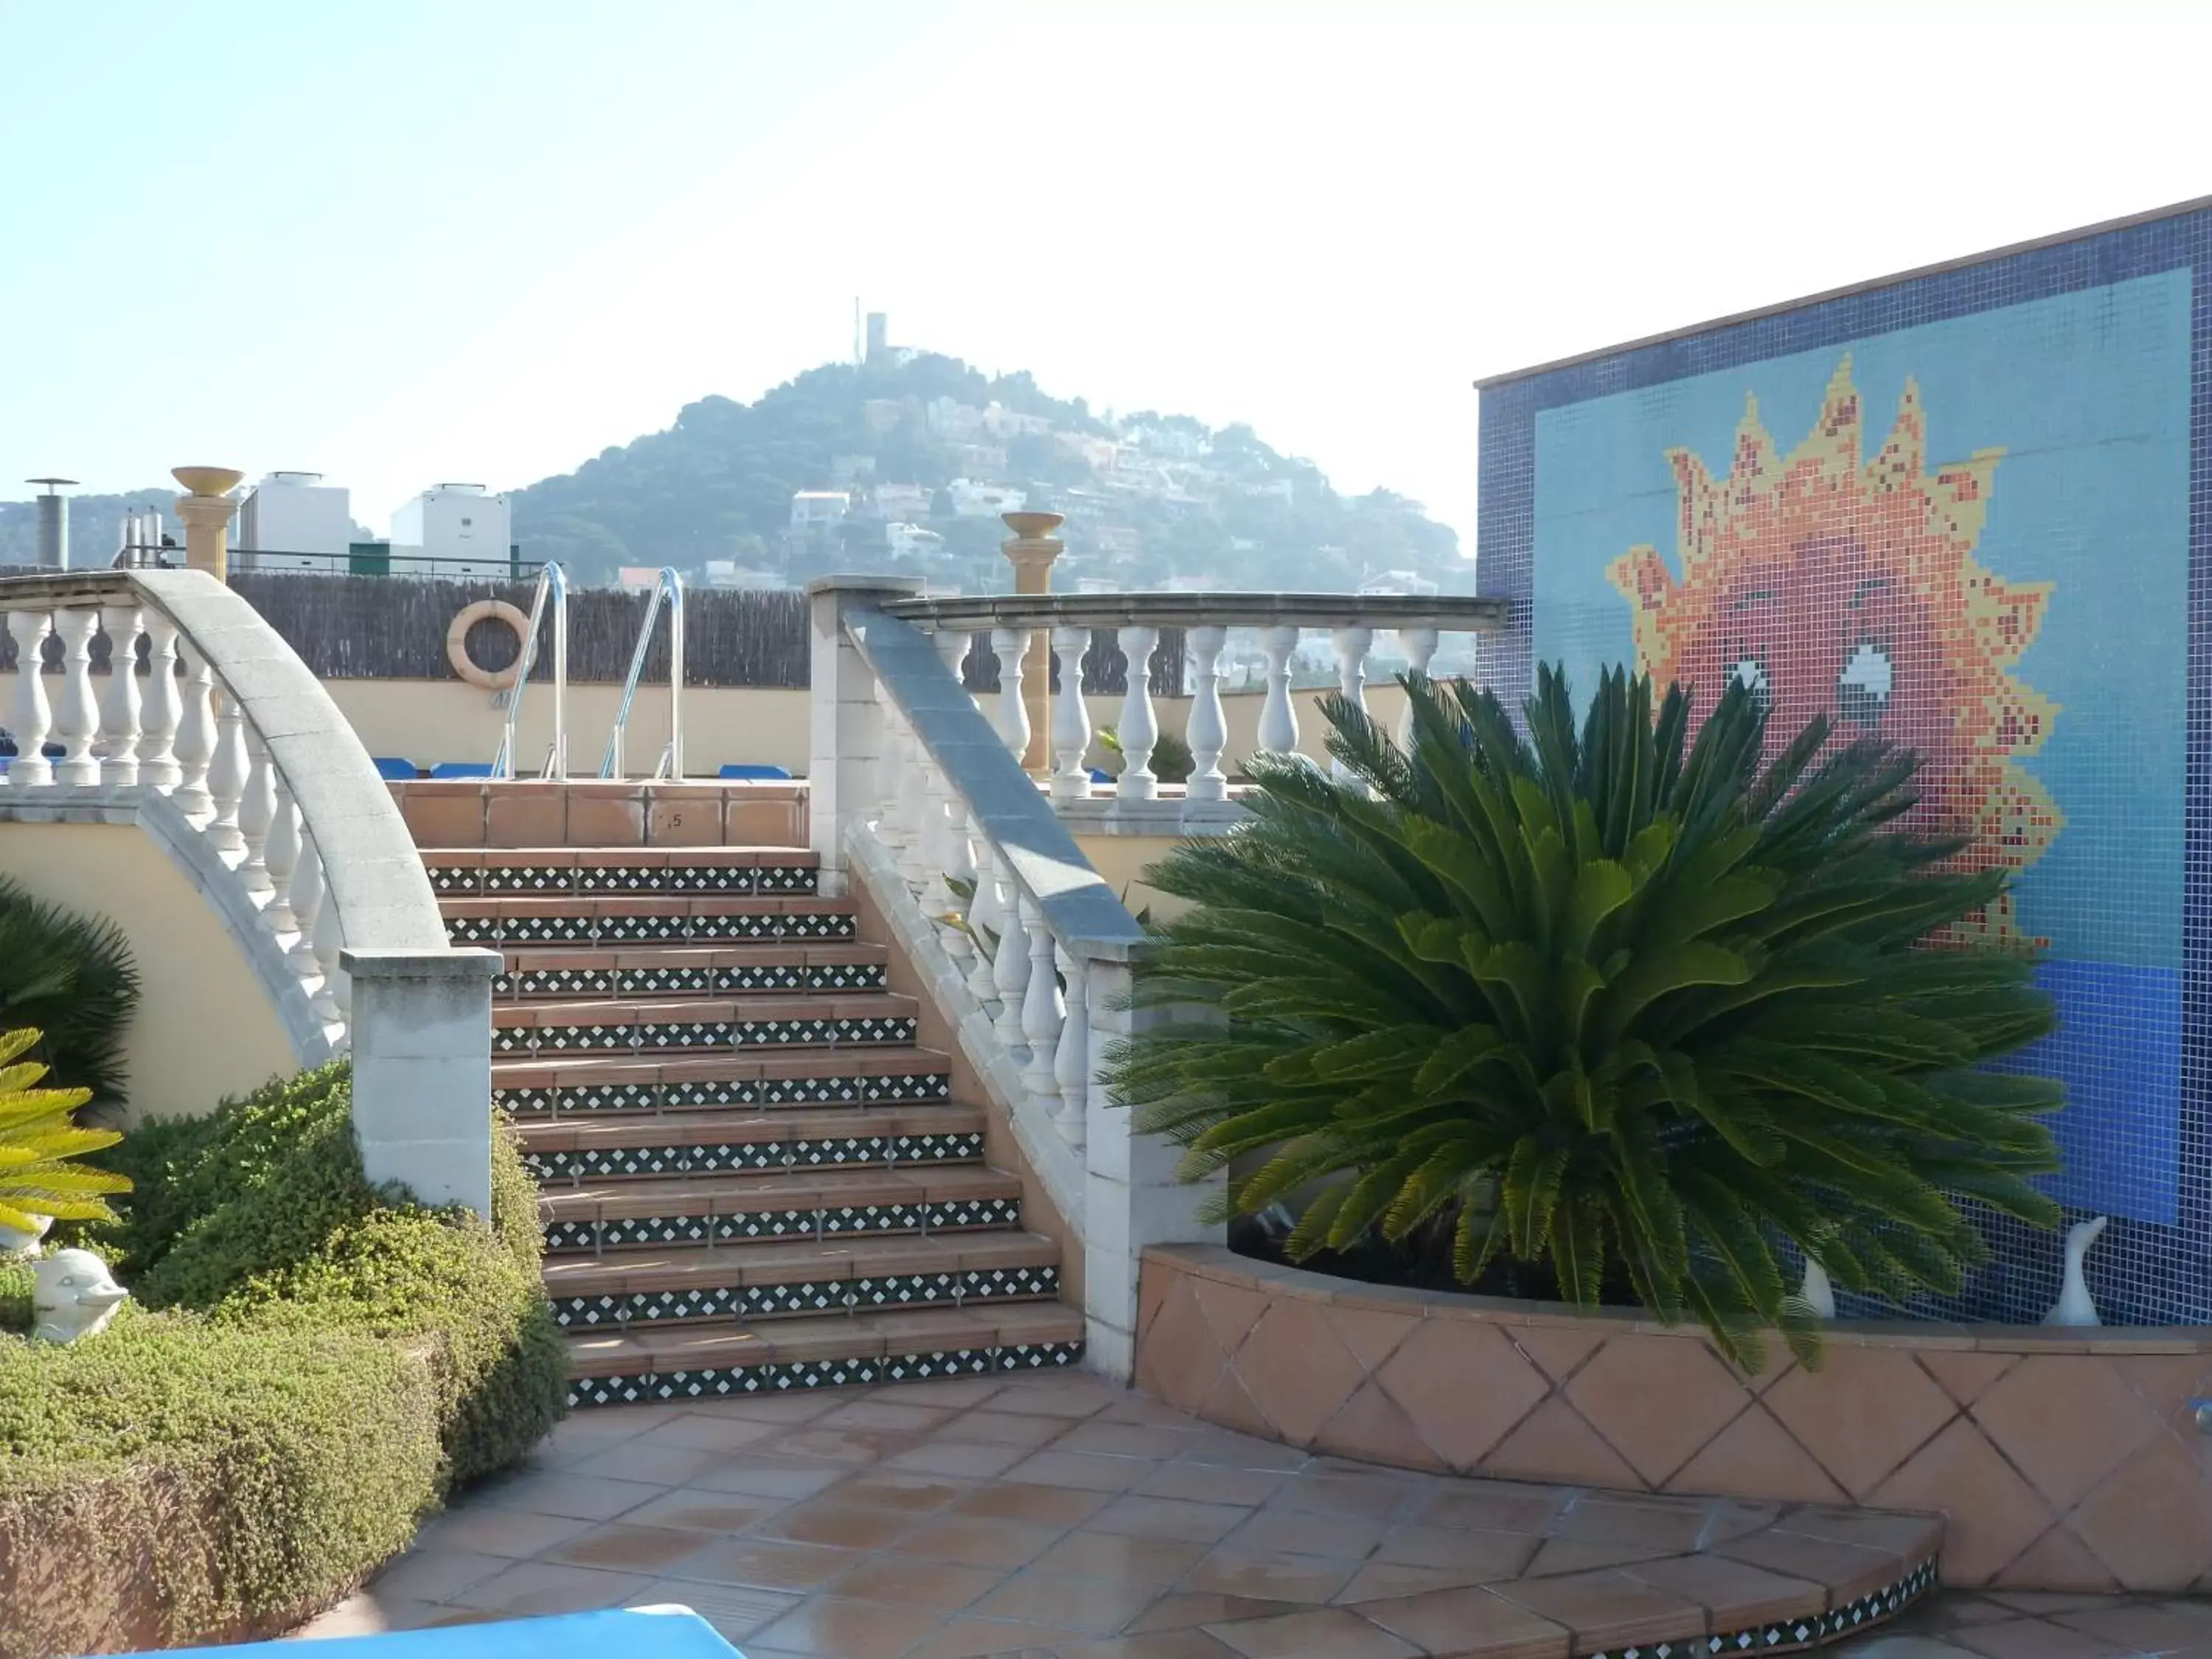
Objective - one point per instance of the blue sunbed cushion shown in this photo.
(630, 1633)
(748, 769)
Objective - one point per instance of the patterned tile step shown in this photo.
(592, 1147)
(690, 1362)
(626, 870)
(778, 1020)
(671, 970)
(670, 919)
(642, 1212)
(592, 1085)
(770, 1279)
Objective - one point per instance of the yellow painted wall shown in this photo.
(1122, 860)
(204, 1027)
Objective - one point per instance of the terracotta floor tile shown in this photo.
(903, 1580)
(1211, 1484)
(1661, 1523)
(838, 1524)
(969, 1637)
(1557, 1555)
(1184, 1611)
(1161, 1644)
(1241, 1451)
(1469, 1621)
(548, 1587)
(1488, 1506)
(1073, 1396)
(1084, 1470)
(1845, 1568)
(909, 1494)
(1275, 1576)
(704, 1511)
(803, 1406)
(1335, 1491)
(630, 1548)
(516, 1534)
(2153, 1629)
(996, 1428)
(762, 1564)
(702, 1433)
(833, 1628)
(1132, 1407)
(578, 1497)
(2033, 1638)
(1169, 1517)
(843, 1445)
(1482, 1556)
(635, 1459)
(1378, 1580)
(885, 1414)
(1318, 1634)
(957, 1392)
(969, 1459)
(977, 1543)
(1091, 1607)
(437, 1575)
(1350, 1537)
(1607, 1609)
(1058, 1506)
(753, 1476)
(1126, 1440)
(1115, 1555)
(734, 1612)
(1736, 1594)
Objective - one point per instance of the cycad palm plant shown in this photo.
(72, 977)
(1616, 1000)
(39, 1144)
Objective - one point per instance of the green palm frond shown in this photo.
(71, 977)
(1613, 996)
(40, 1141)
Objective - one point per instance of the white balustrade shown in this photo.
(1011, 646)
(1010, 972)
(1208, 732)
(1070, 1064)
(987, 920)
(1420, 648)
(1040, 1012)
(34, 718)
(76, 717)
(227, 771)
(1070, 719)
(1140, 730)
(923, 846)
(164, 708)
(257, 815)
(329, 939)
(283, 859)
(195, 745)
(307, 904)
(1352, 646)
(1278, 716)
(119, 709)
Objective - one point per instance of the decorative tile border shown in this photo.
(623, 1232)
(882, 1293)
(837, 1153)
(514, 880)
(1792, 1635)
(777, 1379)
(895, 1089)
(666, 929)
(747, 978)
(701, 1034)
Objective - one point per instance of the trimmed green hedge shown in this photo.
(309, 1367)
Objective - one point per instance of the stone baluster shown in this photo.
(77, 716)
(1010, 972)
(891, 797)
(1140, 729)
(955, 866)
(229, 769)
(1040, 1012)
(282, 857)
(1278, 716)
(329, 939)
(257, 815)
(195, 745)
(34, 717)
(987, 920)
(917, 807)
(1353, 645)
(119, 711)
(1070, 1064)
(1071, 719)
(1011, 646)
(1420, 644)
(1208, 732)
(306, 899)
(164, 708)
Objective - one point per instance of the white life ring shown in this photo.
(457, 642)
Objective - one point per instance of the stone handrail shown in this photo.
(1067, 620)
(228, 743)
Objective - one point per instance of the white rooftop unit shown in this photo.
(465, 528)
(295, 522)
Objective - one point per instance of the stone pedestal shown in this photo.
(207, 514)
(846, 751)
(1030, 550)
(421, 1069)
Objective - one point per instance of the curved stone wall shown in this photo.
(2061, 1460)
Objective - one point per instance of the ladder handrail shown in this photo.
(668, 586)
(549, 581)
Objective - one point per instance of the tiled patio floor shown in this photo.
(2027, 1625)
(1060, 1516)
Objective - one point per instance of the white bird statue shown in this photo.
(16, 1244)
(73, 1295)
(1816, 1293)
(2073, 1306)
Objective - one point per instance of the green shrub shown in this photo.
(309, 1366)
(1171, 760)
(72, 977)
(1628, 1006)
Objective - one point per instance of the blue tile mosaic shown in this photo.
(1972, 510)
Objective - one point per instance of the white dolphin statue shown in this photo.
(73, 1295)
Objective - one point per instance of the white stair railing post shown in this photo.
(1351, 645)
(257, 815)
(1011, 646)
(76, 719)
(1071, 719)
(34, 717)
(1208, 730)
(1010, 972)
(1278, 716)
(195, 744)
(986, 920)
(119, 713)
(1041, 1012)
(1140, 730)
(163, 711)
(1071, 1066)
(1420, 644)
(228, 772)
(916, 800)
(955, 859)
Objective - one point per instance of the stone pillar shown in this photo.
(207, 514)
(1131, 1196)
(1030, 550)
(846, 754)
(421, 1069)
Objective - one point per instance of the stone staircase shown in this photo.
(754, 1176)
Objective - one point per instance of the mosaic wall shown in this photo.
(1971, 512)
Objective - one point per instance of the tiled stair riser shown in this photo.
(772, 1301)
(707, 1382)
(561, 1100)
(661, 928)
(618, 881)
(887, 1151)
(661, 1035)
(636, 1232)
(1799, 1633)
(750, 979)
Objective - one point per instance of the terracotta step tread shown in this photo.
(733, 1127)
(540, 958)
(641, 858)
(879, 1059)
(788, 1261)
(824, 1336)
(772, 1005)
(662, 1195)
(642, 904)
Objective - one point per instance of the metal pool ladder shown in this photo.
(669, 587)
(549, 581)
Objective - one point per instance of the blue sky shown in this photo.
(405, 243)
